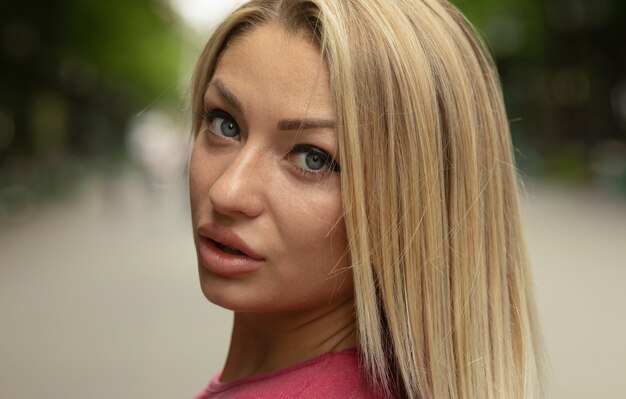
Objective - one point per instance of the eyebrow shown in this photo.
(301, 124)
(227, 95)
(283, 124)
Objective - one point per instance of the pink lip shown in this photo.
(221, 262)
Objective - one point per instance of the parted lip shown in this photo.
(226, 236)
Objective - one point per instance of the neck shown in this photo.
(265, 342)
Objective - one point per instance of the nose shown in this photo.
(238, 189)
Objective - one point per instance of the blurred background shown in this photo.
(98, 288)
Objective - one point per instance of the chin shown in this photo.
(231, 294)
(236, 297)
(256, 293)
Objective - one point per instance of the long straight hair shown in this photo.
(443, 292)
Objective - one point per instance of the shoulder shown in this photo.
(332, 375)
(338, 376)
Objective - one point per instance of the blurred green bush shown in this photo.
(72, 75)
(74, 71)
(563, 69)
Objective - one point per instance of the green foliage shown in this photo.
(129, 41)
(563, 70)
(74, 72)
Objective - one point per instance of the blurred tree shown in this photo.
(563, 68)
(72, 74)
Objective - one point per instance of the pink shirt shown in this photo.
(331, 375)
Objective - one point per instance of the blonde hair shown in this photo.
(443, 292)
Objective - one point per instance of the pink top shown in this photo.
(331, 375)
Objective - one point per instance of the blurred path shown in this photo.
(577, 244)
(99, 297)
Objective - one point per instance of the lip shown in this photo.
(221, 262)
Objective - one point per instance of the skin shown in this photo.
(248, 172)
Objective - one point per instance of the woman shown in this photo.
(354, 203)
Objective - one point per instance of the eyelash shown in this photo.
(208, 116)
(330, 165)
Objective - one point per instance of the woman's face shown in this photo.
(264, 186)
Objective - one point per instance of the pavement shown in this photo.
(99, 295)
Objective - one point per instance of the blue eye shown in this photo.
(222, 124)
(313, 160)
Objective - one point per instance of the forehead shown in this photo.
(281, 70)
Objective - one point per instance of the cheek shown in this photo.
(200, 177)
(313, 227)
(316, 262)
(194, 175)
